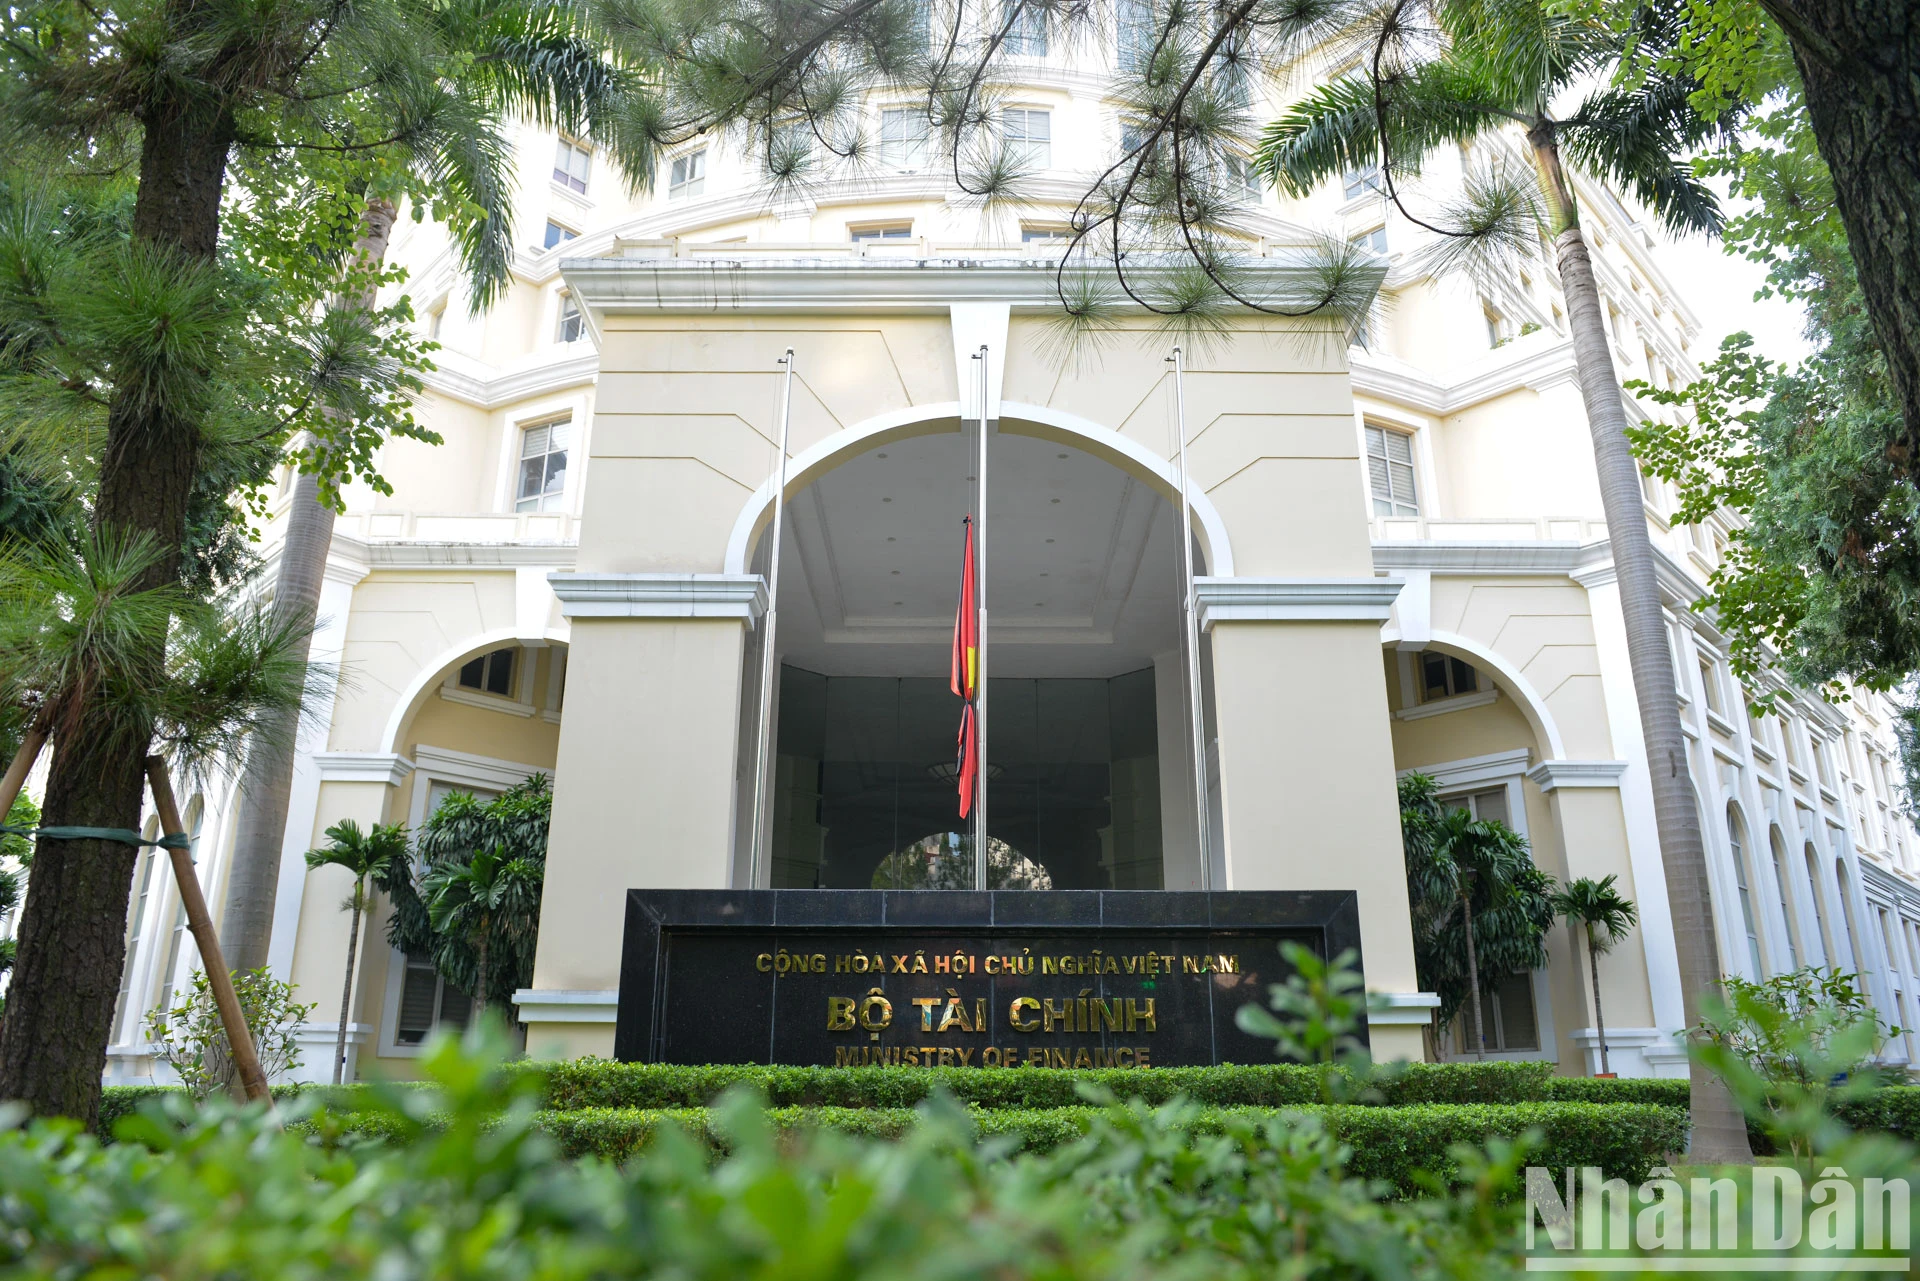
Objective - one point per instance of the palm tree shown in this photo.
(485, 901)
(368, 856)
(1606, 916)
(1493, 66)
(534, 58)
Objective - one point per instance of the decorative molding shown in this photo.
(452, 766)
(1534, 367)
(809, 281)
(1471, 771)
(1441, 706)
(410, 555)
(1531, 559)
(1263, 600)
(560, 1006)
(740, 596)
(474, 382)
(486, 702)
(1550, 775)
(1401, 1009)
(390, 768)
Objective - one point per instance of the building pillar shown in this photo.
(1636, 803)
(645, 778)
(1306, 771)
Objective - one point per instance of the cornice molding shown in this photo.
(737, 596)
(1401, 1009)
(1532, 558)
(1535, 367)
(389, 768)
(563, 1006)
(1267, 600)
(1549, 776)
(473, 382)
(820, 283)
(1471, 771)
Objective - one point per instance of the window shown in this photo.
(1029, 137)
(1823, 763)
(428, 1001)
(1444, 677)
(1819, 914)
(556, 235)
(1136, 32)
(572, 163)
(1027, 33)
(1361, 180)
(1488, 806)
(920, 22)
(571, 326)
(1240, 170)
(436, 319)
(196, 818)
(1792, 918)
(1390, 472)
(490, 673)
(688, 176)
(882, 231)
(1496, 324)
(903, 138)
(1375, 240)
(1031, 233)
(1853, 924)
(139, 920)
(543, 467)
(1736, 839)
(1710, 683)
(1507, 1017)
(1790, 741)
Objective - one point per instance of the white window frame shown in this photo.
(578, 405)
(565, 150)
(519, 703)
(460, 769)
(561, 299)
(1412, 464)
(1027, 150)
(1027, 37)
(908, 153)
(687, 175)
(519, 455)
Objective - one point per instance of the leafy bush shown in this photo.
(190, 1039)
(472, 1190)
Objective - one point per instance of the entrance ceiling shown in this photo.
(1082, 571)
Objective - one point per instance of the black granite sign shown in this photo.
(1067, 978)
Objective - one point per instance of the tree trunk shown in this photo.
(1859, 61)
(1473, 982)
(1719, 1133)
(266, 790)
(1599, 1019)
(72, 937)
(480, 983)
(346, 994)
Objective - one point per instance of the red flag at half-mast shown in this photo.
(966, 668)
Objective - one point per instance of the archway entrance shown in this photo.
(1086, 751)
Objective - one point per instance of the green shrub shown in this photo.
(1891, 1109)
(601, 1084)
(474, 1187)
(1643, 1089)
(1389, 1144)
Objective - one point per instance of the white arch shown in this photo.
(430, 674)
(1532, 706)
(899, 424)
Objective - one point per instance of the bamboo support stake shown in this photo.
(239, 1039)
(16, 776)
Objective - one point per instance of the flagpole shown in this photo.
(980, 602)
(1197, 730)
(763, 754)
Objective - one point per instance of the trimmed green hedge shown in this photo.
(1393, 1145)
(593, 1083)
(1586, 1089)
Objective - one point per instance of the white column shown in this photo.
(1636, 793)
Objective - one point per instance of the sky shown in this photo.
(1719, 287)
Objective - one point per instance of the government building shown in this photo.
(1400, 555)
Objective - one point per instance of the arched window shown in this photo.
(196, 818)
(1736, 838)
(1819, 912)
(1853, 923)
(1779, 850)
(137, 928)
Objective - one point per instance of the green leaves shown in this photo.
(1604, 915)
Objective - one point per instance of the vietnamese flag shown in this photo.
(966, 667)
